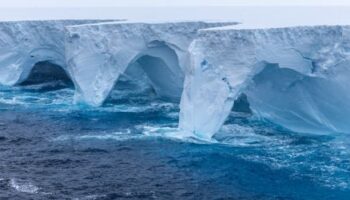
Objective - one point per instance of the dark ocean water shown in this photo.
(53, 149)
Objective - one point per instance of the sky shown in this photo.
(166, 3)
(258, 13)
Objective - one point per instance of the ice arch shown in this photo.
(16, 65)
(25, 43)
(161, 65)
(301, 61)
(159, 62)
(97, 54)
(157, 59)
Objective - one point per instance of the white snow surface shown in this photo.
(295, 77)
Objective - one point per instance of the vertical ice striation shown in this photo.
(295, 77)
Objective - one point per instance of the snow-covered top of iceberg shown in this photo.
(258, 26)
(153, 21)
(154, 24)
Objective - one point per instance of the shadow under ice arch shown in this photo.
(46, 71)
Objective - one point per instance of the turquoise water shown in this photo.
(51, 148)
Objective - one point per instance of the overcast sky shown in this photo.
(120, 3)
(274, 13)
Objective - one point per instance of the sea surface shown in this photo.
(51, 148)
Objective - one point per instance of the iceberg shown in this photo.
(98, 54)
(295, 77)
(26, 43)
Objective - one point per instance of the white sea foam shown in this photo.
(237, 135)
(9, 101)
(118, 136)
(90, 197)
(23, 186)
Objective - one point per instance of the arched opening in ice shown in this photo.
(235, 124)
(240, 110)
(153, 81)
(241, 104)
(132, 86)
(157, 67)
(46, 75)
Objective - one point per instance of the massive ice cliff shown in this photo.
(296, 77)
(97, 54)
(25, 43)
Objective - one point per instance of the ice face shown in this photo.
(290, 75)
